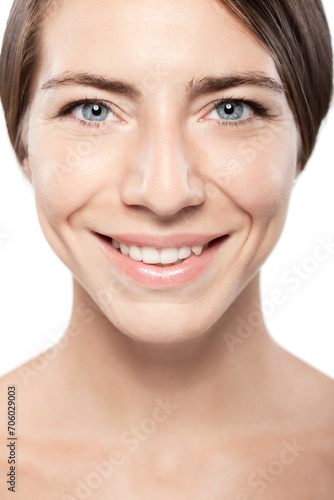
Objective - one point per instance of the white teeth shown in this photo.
(184, 252)
(197, 250)
(151, 255)
(115, 244)
(135, 253)
(169, 255)
(124, 249)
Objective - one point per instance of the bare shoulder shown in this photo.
(28, 393)
(18, 381)
(13, 394)
(8, 394)
(304, 391)
(8, 433)
(306, 413)
(35, 434)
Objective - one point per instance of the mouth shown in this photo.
(157, 256)
(173, 262)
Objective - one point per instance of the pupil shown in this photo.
(229, 109)
(96, 110)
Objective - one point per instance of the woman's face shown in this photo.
(150, 160)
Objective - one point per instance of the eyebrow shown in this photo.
(210, 84)
(193, 89)
(90, 80)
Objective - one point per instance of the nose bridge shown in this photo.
(166, 153)
(167, 180)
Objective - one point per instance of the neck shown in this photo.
(204, 379)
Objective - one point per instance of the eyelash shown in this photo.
(260, 112)
(64, 112)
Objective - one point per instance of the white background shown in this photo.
(36, 290)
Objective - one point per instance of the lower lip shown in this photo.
(167, 277)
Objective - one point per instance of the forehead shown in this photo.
(129, 38)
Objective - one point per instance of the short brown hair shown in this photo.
(295, 32)
(18, 64)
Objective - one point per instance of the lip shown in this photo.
(162, 241)
(167, 277)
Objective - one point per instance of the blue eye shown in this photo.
(94, 112)
(233, 110)
(89, 112)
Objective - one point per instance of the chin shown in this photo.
(160, 325)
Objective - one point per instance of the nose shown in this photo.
(162, 177)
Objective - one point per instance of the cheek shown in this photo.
(257, 172)
(69, 172)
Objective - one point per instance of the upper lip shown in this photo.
(166, 241)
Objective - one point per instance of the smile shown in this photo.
(164, 257)
(161, 262)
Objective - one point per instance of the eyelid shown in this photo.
(109, 118)
(260, 113)
(258, 108)
(76, 103)
(247, 108)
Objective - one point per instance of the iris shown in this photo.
(231, 111)
(94, 112)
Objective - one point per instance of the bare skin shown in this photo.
(253, 433)
(164, 385)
